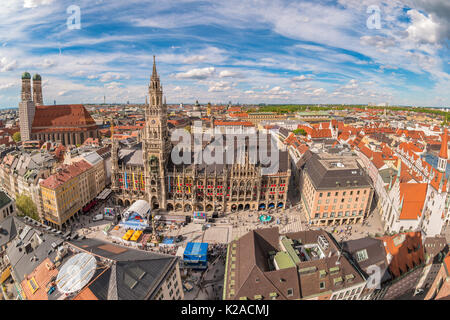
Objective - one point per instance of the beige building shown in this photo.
(66, 192)
(335, 190)
(257, 117)
(98, 174)
(171, 287)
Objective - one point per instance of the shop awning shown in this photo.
(104, 194)
(5, 275)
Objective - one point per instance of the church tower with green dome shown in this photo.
(37, 90)
(27, 108)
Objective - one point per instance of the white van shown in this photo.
(97, 218)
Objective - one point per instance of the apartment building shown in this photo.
(7, 206)
(336, 190)
(66, 192)
(308, 265)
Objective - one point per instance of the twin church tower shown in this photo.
(28, 103)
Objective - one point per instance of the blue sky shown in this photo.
(247, 51)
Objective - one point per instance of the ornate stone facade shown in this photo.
(146, 171)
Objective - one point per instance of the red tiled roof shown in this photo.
(72, 116)
(42, 276)
(439, 180)
(234, 109)
(406, 254)
(85, 294)
(447, 264)
(412, 197)
(66, 173)
(344, 136)
(233, 123)
(321, 133)
(444, 146)
(239, 115)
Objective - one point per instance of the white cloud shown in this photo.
(108, 76)
(423, 29)
(80, 73)
(229, 74)
(316, 92)
(36, 3)
(220, 86)
(352, 84)
(7, 65)
(195, 59)
(199, 74)
(299, 78)
(381, 43)
(7, 85)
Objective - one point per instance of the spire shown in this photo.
(444, 146)
(154, 74)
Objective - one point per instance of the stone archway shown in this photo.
(178, 207)
(169, 207)
(280, 205)
(127, 203)
(240, 207)
(233, 207)
(199, 207)
(155, 203)
(187, 208)
(209, 208)
(120, 202)
(247, 207)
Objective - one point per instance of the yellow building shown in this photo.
(66, 192)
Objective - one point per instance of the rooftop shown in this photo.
(65, 173)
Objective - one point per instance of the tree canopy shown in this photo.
(300, 131)
(16, 137)
(26, 206)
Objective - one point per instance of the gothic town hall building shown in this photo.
(146, 171)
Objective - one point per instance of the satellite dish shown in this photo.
(76, 273)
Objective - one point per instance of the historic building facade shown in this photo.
(146, 171)
(68, 124)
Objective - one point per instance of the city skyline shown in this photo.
(292, 52)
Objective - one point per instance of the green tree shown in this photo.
(26, 206)
(300, 131)
(16, 137)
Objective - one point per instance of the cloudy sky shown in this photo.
(247, 51)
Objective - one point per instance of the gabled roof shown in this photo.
(133, 275)
(62, 116)
(8, 230)
(404, 251)
(444, 146)
(412, 199)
